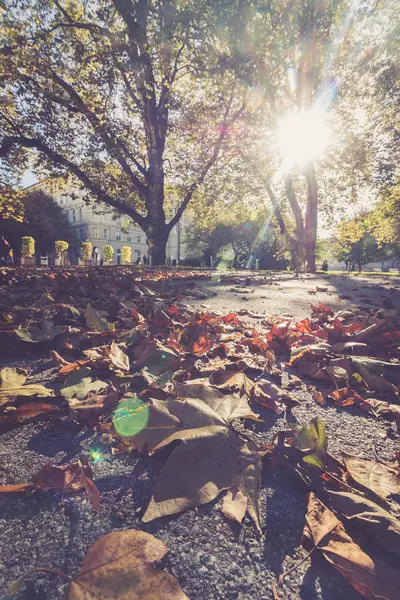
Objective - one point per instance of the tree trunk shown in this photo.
(297, 246)
(157, 238)
(311, 218)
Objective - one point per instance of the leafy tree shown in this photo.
(355, 243)
(61, 246)
(43, 220)
(86, 250)
(27, 246)
(108, 253)
(126, 255)
(384, 221)
(127, 97)
(248, 236)
(202, 242)
(11, 205)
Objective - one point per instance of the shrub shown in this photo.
(60, 246)
(108, 253)
(27, 246)
(86, 250)
(126, 255)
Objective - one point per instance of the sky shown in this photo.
(28, 179)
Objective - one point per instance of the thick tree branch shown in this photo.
(60, 160)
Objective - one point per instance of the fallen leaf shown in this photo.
(372, 578)
(156, 357)
(121, 565)
(313, 437)
(27, 411)
(79, 384)
(95, 321)
(12, 382)
(72, 477)
(207, 460)
(376, 477)
(375, 521)
(244, 494)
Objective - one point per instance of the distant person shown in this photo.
(138, 260)
(144, 259)
(346, 266)
(4, 250)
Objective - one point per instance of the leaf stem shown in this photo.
(296, 566)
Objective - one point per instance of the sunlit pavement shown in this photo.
(287, 296)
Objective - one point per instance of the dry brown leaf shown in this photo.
(12, 382)
(375, 521)
(66, 478)
(373, 579)
(121, 565)
(27, 411)
(208, 459)
(244, 494)
(376, 477)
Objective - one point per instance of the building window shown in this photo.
(118, 236)
(73, 216)
(95, 232)
(80, 214)
(128, 237)
(139, 239)
(138, 254)
(105, 233)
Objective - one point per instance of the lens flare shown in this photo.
(131, 416)
(96, 455)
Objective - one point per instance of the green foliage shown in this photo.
(384, 221)
(27, 246)
(61, 246)
(247, 235)
(43, 219)
(126, 255)
(355, 242)
(11, 205)
(86, 250)
(108, 253)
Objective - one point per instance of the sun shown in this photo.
(303, 137)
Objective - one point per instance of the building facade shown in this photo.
(102, 226)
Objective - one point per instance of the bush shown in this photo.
(86, 250)
(108, 253)
(60, 246)
(27, 246)
(126, 255)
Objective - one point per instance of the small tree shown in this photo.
(60, 246)
(86, 250)
(27, 246)
(126, 254)
(108, 253)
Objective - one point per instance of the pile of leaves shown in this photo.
(135, 362)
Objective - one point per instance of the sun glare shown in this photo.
(302, 137)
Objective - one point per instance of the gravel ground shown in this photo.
(211, 557)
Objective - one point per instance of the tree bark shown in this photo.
(311, 218)
(157, 238)
(299, 243)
